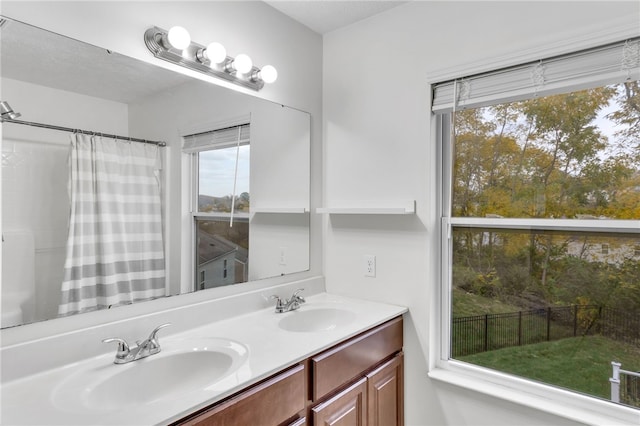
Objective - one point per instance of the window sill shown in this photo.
(556, 401)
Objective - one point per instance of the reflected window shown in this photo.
(221, 203)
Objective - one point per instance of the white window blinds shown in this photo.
(610, 64)
(221, 138)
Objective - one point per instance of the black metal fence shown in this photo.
(630, 390)
(481, 333)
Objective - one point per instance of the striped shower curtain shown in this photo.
(115, 253)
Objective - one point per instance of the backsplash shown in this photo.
(21, 353)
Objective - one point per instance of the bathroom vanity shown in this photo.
(335, 359)
(358, 381)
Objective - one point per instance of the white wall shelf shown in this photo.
(289, 210)
(400, 208)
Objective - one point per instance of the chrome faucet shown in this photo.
(287, 305)
(149, 346)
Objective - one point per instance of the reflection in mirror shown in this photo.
(260, 228)
(223, 196)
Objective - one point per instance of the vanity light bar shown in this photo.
(192, 55)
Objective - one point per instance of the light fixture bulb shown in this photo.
(179, 38)
(216, 53)
(243, 63)
(269, 74)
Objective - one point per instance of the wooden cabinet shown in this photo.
(374, 400)
(271, 402)
(347, 408)
(349, 360)
(385, 393)
(358, 382)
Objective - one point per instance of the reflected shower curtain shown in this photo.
(115, 253)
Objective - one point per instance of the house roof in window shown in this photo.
(212, 247)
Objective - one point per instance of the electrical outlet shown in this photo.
(369, 265)
(283, 256)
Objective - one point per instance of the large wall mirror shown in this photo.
(230, 191)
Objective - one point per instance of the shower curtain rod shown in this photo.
(86, 132)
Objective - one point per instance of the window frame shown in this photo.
(540, 396)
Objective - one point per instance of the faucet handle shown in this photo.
(152, 337)
(280, 304)
(158, 328)
(123, 347)
(295, 295)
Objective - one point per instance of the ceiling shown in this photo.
(323, 16)
(23, 47)
(41, 57)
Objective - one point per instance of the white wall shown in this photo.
(279, 170)
(378, 145)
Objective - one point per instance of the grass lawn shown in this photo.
(581, 364)
(468, 304)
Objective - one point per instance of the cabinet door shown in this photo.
(347, 408)
(349, 360)
(385, 401)
(268, 404)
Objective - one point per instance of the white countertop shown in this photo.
(30, 400)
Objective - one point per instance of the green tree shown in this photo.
(547, 157)
(563, 128)
(628, 117)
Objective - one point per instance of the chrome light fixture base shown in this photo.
(192, 58)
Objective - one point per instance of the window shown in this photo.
(540, 209)
(220, 204)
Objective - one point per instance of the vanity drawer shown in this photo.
(271, 402)
(346, 361)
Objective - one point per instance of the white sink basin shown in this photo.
(314, 319)
(181, 367)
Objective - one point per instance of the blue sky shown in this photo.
(217, 168)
